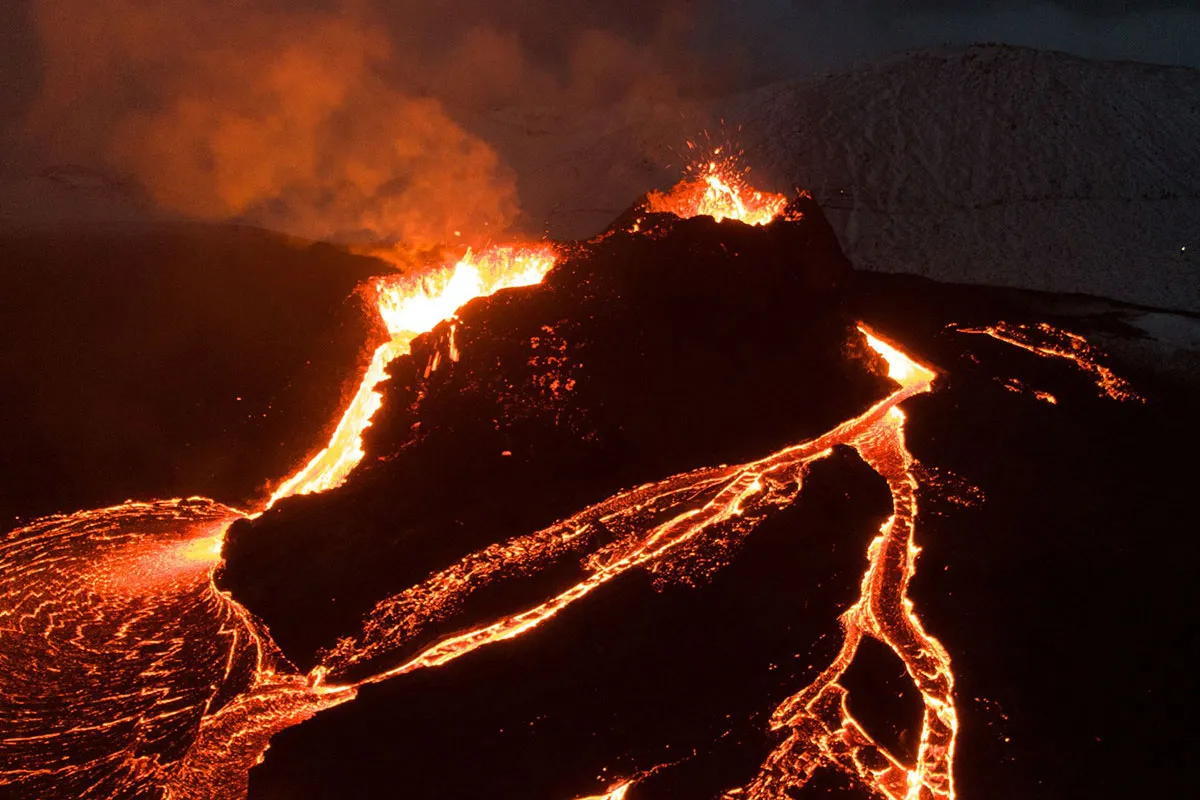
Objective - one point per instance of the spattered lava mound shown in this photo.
(686, 344)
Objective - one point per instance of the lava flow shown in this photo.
(116, 644)
(409, 308)
(1047, 341)
(168, 681)
(656, 519)
(150, 559)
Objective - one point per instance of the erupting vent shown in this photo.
(718, 189)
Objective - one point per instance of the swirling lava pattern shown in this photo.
(115, 645)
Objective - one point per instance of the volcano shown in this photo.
(688, 509)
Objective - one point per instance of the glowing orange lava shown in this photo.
(1048, 341)
(617, 792)
(659, 518)
(410, 308)
(147, 571)
(149, 565)
(718, 189)
(136, 575)
(132, 585)
(651, 523)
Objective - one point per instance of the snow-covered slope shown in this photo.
(988, 164)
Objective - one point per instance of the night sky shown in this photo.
(779, 37)
(799, 35)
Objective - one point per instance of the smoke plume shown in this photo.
(233, 109)
(355, 118)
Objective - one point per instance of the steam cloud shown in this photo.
(352, 118)
(230, 109)
(322, 121)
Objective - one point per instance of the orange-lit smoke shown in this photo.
(238, 109)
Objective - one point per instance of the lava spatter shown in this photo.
(717, 188)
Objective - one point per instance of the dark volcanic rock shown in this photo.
(169, 361)
(1057, 567)
(639, 357)
(1059, 560)
(625, 680)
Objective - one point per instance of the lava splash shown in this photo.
(718, 188)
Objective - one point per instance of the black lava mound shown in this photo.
(1057, 558)
(640, 356)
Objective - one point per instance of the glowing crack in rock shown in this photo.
(408, 309)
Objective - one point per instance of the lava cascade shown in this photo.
(409, 308)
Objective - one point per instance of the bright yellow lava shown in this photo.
(410, 308)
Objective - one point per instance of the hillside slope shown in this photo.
(988, 164)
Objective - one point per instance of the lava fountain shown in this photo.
(718, 188)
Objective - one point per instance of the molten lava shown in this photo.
(661, 517)
(718, 189)
(1047, 341)
(409, 308)
(617, 792)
